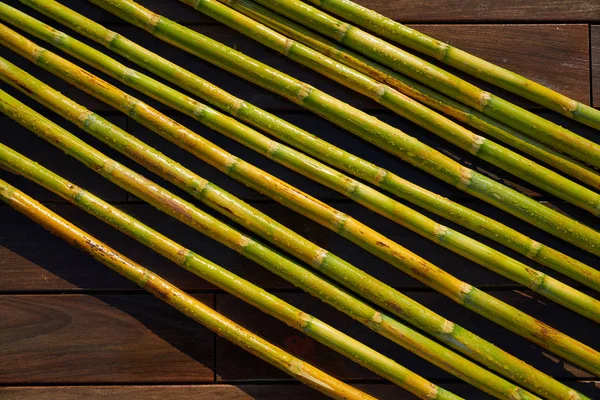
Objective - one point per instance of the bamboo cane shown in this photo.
(278, 264)
(346, 274)
(457, 290)
(462, 60)
(360, 123)
(404, 106)
(250, 293)
(418, 92)
(363, 194)
(393, 57)
(177, 298)
(285, 131)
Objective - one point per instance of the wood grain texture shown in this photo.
(488, 10)
(106, 338)
(595, 50)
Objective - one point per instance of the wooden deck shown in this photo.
(70, 328)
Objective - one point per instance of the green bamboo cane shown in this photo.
(404, 106)
(393, 57)
(363, 194)
(360, 123)
(248, 292)
(346, 274)
(284, 267)
(462, 60)
(419, 92)
(287, 132)
(177, 298)
(457, 290)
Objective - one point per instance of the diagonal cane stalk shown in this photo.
(457, 290)
(281, 129)
(400, 60)
(404, 106)
(462, 60)
(362, 124)
(284, 267)
(361, 193)
(419, 92)
(177, 298)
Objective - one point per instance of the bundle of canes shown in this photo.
(250, 248)
(400, 60)
(500, 156)
(363, 194)
(462, 60)
(360, 123)
(177, 298)
(459, 291)
(420, 92)
(282, 129)
(441, 328)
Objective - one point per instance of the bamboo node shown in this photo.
(109, 38)
(272, 149)
(243, 242)
(287, 46)
(479, 140)
(484, 100)
(534, 250)
(303, 93)
(237, 106)
(465, 178)
(342, 31)
(317, 260)
(440, 232)
(381, 174)
(448, 326)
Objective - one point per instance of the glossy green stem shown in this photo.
(400, 60)
(282, 266)
(311, 168)
(457, 290)
(461, 60)
(278, 127)
(419, 92)
(177, 298)
(360, 123)
(404, 106)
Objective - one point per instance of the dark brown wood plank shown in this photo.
(233, 365)
(228, 392)
(100, 339)
(488, 10)
(595, 50)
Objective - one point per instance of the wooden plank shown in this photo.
(232, 392)
(79, 339)
(595, 49)
(233, 365)
(488, 10)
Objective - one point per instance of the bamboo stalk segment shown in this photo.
(400, 60)
(284, 267)
(462, 60)
(279, 128)
(177, 298)
(361, 193)
(419, 92)
(269, 229)
(360, 123)
(404, 106)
